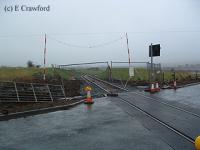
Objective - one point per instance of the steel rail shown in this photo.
(183, 135)
(118, 87)
(167, 104)
(85, 78)
(155, 99)
(188, 138)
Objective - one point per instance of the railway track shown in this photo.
(159, 100)
(107, 87)
(174, 123)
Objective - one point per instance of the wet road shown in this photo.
(104, 126)
(108, 125)
(189, 96)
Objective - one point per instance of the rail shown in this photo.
(188, 138)
(100, 83)
(104, 85)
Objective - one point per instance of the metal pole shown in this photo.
(163, 77)
(45, 43)
(17, 94)
(152, 73)
(63, 90)
(129, 59)
(34, 92)
(111, 71)
(50, 95)
(196, 75)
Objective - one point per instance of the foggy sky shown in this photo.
(174, 24)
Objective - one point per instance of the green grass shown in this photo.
(10, 74)
(180, 75)
(20, 73)
(141, 74)
(123, 74)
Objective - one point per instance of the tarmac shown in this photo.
(101, 126)
(108, 124)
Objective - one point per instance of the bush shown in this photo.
(30, 64)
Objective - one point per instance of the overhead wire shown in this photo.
(83, 46)
(66, 44)
(107, 43)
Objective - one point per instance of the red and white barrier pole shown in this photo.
(45, 44)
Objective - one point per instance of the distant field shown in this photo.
(9, 74)
(19, 73)
(141, 74)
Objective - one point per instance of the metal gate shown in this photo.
(30, 92)
(156, 73)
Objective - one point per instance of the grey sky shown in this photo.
(174, 24)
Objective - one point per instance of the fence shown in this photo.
(99, 69)
(30, 92)
(156, 73)
(113, 70)
(120, 70)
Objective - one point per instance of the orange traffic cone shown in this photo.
(157, 89)
(152, 88)
(89, 99)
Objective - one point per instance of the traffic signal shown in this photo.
(155, 50)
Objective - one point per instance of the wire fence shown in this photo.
(30, 92)
(73, 71)
(113, 70)
(156, 73)
(120, 70)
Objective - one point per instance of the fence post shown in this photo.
(49, 93)
(174, 75)
(62, 88)
(149, 71)
(34, 92)
(196, 74)
(111, 71)
(16, 91)
(163, 77)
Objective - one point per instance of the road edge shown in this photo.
(38, 111)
